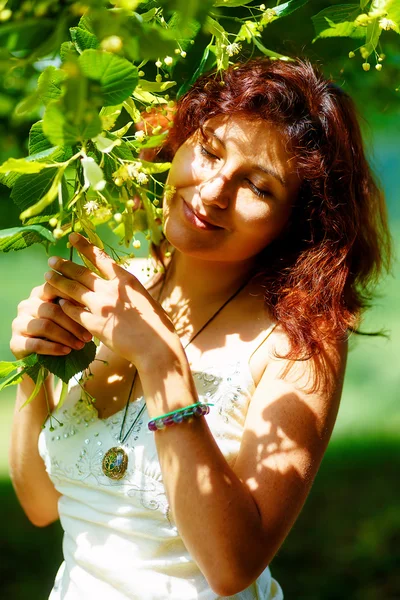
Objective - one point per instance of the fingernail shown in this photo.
(79, 345)
(87, 337)
(61, 301)
(66, 349)
(73, 238)
(48, 275)
(53, 260)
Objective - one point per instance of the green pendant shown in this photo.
(115, 463)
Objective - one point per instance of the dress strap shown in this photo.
(268, 333)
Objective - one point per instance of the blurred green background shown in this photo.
(346, 542)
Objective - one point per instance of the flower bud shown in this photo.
(366, 66)
(112, 43)
(58, 233)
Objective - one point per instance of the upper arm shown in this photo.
(287, 429)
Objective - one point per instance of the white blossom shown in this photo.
(140, 135)
(142, 178)
(91, 207)
(233, 49)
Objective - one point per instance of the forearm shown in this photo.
(31, 482)
(212, 508)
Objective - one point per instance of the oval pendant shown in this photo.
(115, 463)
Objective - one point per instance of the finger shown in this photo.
(54, 313)
(69, 288)
(78, 314)
(46, 329)
(28, 345)
(73, 271)
(103, 263)
(45, 292)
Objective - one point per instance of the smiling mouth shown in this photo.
(196, 220)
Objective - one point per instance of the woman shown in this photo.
(278, 229)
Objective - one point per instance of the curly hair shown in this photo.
(319, 275)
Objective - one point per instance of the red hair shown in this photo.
(319, 274)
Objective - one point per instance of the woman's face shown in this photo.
(235, 190)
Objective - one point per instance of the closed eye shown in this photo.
(257, 191)
(208, 154)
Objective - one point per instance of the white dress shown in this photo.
(120, 542)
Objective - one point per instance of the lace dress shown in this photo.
(120, 541)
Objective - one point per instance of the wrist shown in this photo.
(167, 381)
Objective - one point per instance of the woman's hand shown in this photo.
(41, 326)
(115, 308)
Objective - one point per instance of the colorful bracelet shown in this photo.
(199, 409)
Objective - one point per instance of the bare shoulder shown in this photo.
(288, 426)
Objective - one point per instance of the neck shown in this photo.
(198, 279)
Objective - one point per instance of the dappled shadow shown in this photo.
(343, 545)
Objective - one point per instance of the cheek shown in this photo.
(264, 219)
(182, 172)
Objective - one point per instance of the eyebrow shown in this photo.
(267, 170)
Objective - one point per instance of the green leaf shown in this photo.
(68, 52)
(7, 367)
(148, 15)
(270, 53)
(199, 71)
(154, 228)
(41, 376)
(155, 141)
(372, 38)
(65, 367)
(83, 39)
(393, 11)
(109, 115)
(12, 380)
(282, 10)
(62, 132)
(28, 189)
(18, 238)
(213, 27)
(148, 97)
(21, 165)
(49, 84)
(153, 86)
(338, 21)
(54, 189)
(38, 142)
(150, 167)
(231, 3)
(40, 148)
(93, 174)
(117, 76)
(63, 394)
(105, 144)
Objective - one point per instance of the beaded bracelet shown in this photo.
(199, 409)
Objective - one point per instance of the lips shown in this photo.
(199, 221)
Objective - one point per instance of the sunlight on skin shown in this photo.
(114, 378)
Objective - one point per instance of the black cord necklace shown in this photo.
(115, 460)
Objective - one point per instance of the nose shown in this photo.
(216, 190)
